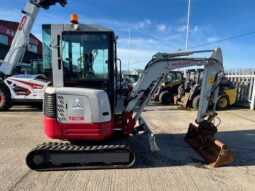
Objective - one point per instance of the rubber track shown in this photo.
(66, 147)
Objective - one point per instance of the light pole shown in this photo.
(187, 32)
(129, 34)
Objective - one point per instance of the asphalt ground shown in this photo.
(175, 167)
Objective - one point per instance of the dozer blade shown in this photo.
(212, 150)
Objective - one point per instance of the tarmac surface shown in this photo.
(175, 167)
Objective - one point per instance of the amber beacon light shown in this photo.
(74, 19)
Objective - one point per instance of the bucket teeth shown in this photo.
(202, 140)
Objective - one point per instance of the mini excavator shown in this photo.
(82, 110)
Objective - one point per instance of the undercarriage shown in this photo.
(70, 156)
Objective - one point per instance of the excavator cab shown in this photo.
(86, 58)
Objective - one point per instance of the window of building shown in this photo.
(3, 39)
(32, 48)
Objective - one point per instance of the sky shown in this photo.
(159, 26)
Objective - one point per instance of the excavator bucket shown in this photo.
(202, 140)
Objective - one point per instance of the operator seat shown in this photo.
(90, 74)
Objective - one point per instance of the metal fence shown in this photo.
(244, 81)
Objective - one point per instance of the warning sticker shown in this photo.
(211, 80)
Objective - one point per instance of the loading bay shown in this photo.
(175, 167)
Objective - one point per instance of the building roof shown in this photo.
(13, 26)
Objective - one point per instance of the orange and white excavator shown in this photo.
(23, 88)
(82, 104)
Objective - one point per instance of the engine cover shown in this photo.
(77, 105)
(77, 114)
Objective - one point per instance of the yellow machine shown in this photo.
(189, 91)
(228, 94)
(168, 88)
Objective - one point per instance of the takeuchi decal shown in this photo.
(22, 23)
(180, 64)
(76, 118)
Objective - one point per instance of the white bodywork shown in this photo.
(34, 85)
(77, 105)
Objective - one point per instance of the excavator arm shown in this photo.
(201, 138)
(18, 47)
(162, 63)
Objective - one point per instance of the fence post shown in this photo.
(252, 107)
